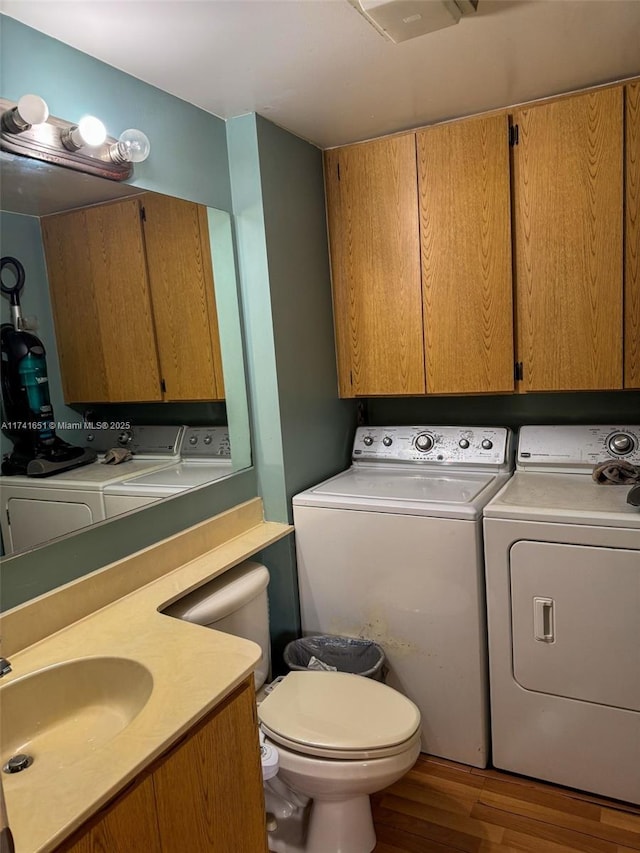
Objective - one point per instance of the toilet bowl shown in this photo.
(338, 737)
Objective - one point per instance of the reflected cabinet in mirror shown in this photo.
(134, 297)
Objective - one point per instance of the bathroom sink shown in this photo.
(67, 710)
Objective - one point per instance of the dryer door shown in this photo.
(575, 612)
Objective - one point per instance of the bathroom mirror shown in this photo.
(31, 190)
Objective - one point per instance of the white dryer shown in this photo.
(562, 557)
(391, 550)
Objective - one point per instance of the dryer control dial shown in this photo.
(620, 443)
(424, 442)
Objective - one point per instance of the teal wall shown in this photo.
(301, 432)
(515, 410)
(189, 160)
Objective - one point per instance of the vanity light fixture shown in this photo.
(27, 129)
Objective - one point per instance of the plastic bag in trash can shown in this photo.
(346, 654)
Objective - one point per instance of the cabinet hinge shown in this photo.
(163, 386)
(519, 371)
(338, 170)
(514, 134)
(143, 214)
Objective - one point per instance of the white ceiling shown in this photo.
(320, 70)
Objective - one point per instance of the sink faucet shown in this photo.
(5, 667)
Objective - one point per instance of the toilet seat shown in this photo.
(339, 715)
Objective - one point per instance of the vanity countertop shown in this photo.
(193, 669)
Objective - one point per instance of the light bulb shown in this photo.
(132, 146)
(89, 131)
(33, 109)
(92, 131)
(30, 110)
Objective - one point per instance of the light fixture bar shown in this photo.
(45, 142)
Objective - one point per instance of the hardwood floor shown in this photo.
(443, 807)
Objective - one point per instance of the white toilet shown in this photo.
(339, 737)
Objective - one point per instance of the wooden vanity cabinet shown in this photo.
(372, 210)
(568, 214)
(632, 238)
(204, 795)
(465, 233)
(132, 292)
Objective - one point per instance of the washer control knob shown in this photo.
(207, 439)
(387, 441)
(368, 440)
(487, 444)
(464, 443)
(620, 443)
(193, 440)
(125, 437)
(424, 442)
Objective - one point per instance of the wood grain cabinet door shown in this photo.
(632, 238)
(208, 791)
(372, 210)
(465, 232)
(127, 825)
(182, 291)
(101, 306)
(568, 203)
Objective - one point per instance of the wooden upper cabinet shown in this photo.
(632, 239)
(182, 291)
(101, 304)
(133, 302)
(568, 202)
(375, 263)
(465, 232)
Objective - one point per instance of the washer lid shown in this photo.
(338, 710)
(443, 493)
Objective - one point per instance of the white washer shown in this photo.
(562, 558)
(205, 457)
(391, 550)
(35, 510)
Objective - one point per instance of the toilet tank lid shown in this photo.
(223, 595)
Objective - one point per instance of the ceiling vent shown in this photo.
(401, 20)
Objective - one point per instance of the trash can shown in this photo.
(344, 654)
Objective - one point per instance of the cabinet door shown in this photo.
(181, 281)
(632, 239)
(101, 305)
(568, 242)
(465, 233)
(209, 793)
(126, 826)
(375, 267)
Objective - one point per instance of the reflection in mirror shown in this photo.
(134, 296)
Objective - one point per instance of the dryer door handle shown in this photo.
(543, 619)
